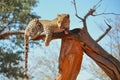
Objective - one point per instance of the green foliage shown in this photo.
(14, 15)
(9, 64)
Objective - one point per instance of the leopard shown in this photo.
(38, 27)
(59, 24)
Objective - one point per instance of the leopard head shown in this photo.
(63, 21)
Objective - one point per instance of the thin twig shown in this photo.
(90, 12)
(76, 14)
(97, 5)
(107, 30)
(105, 14)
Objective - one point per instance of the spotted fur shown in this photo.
(58, 24)
(44, 27)
(34, 27)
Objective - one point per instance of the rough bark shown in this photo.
(70, 59)
(109, 64)
(80, 38)
(10, 33)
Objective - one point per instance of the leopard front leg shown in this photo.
(48, 33)
(48, 38)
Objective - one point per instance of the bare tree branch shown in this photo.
(10, 33)
(107, 30)
(107, 62)
(90, 12)
(83, 20)
(76, 14)
(98, 5)
(38, 37)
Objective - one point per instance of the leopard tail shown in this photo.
(26, 48)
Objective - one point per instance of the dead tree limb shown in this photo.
(90, 12)
(76, 10)
(105, 14)
(107, 30)
(109, 64)
(97, 5)
(106, 61)
(10, 33)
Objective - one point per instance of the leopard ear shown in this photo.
(59, 15)
(68, 16)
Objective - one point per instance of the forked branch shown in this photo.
(76, 14)
(90, 12)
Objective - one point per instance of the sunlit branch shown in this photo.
(61, 35)
(55, 35)
(10, 33)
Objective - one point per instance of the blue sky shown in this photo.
(48, 9)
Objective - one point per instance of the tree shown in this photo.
(111, 45)
(14, 15)
(80, 41)
(109, 64)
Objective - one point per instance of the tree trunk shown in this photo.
(109, 64)
(73, 46)
(70, 59)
